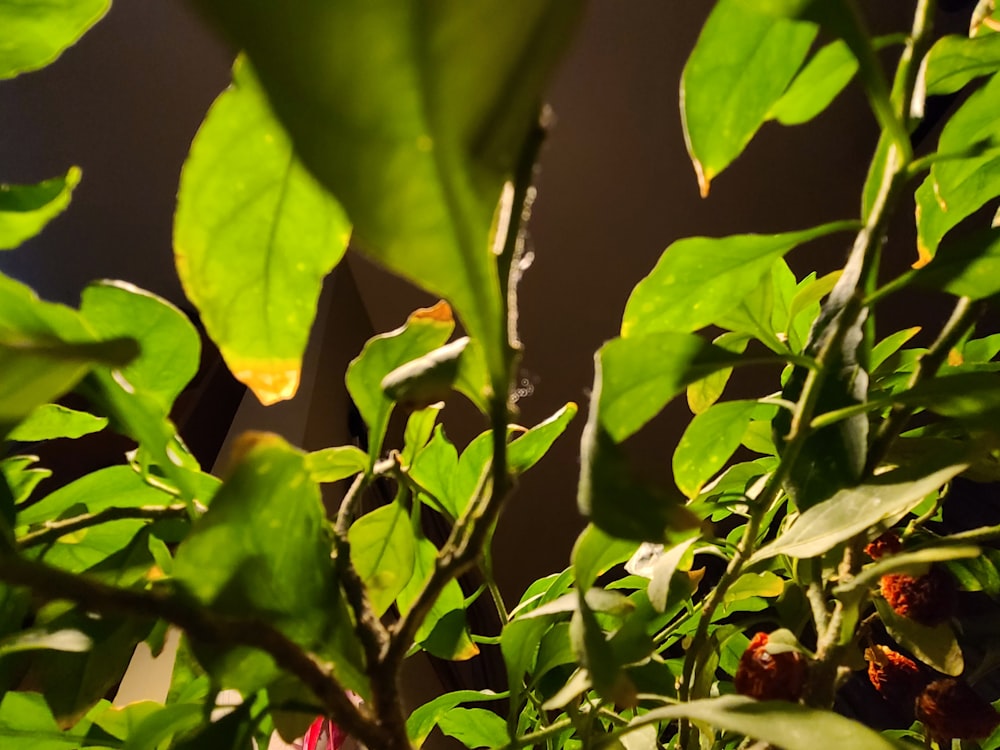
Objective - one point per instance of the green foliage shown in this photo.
(415, 127)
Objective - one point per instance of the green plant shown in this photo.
(420, 145)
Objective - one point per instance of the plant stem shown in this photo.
(53, 530)
(203, 625)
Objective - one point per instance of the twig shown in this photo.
(201, 624)
(53, 530)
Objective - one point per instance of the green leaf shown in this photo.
(51, 421)
(262, 550)
(595, 553)
(528, 448)
(474, 727)
(26, 209)
(68, 639)
(825, 75)
(334, 464)
(889, 346)
(423, 332)
(595, 654)
(662, 574)
(382, 551)
(233, 731)
(419, 429)
(168, 722)
(934, 646)
(955, 188)
(699, 279)
(701, 394)
(423, 720)
(427, 379)
(26, 723)
(911, 563)
(21, 478)
(254, 236)
(738, 70)
(170, 347)
(882, 501)
(434, 470)
(709, 441)
(45, 348)
(447, 615)
(969, 267)
(35, 34)
(786, 725)
(954, 60)
(431, 121)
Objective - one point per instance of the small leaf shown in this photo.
(474, 727)
(954, 60)
(738, 70)
(529, 447)
(51, 421)
(882, 501)
(662, 573)
(709, 441)
(423, 332)
(334, 464)
(169, 345)
(35, 34)
(423, 720)
(256, 280)
(26, 209)
(936, 647)
(424, 381)
(825, 75)
(382, 551)
(58, 640)
(20, 477)
(889, 346)
(594, 553)
(786, 725)
(699, 279)
(434, 470)
(701, 394)
(419, 429)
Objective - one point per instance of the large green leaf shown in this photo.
(434, 469)
(382, 551)
(953, 61)
(414, 115)
(51, 421)
(474, 727)
(883, 500)
(262, 550)
(785, 725)
(935, 646)
(741, 65)
(699, 279)
(709, 440)
(423, 720)
(425, 330)
(969, 267)
(45, 348)
(254, 236)
(26, 209)
(170, 345)
(955, 188)
(825, 75)
(27, 723)
(36, 33)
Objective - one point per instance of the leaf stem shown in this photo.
(53, 530)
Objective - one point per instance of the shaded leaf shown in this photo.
(596, 655)
(168, 722)
(51, 421)
(431, 121)
(428, 379)
(786, 725)
(699, 279)
(424, 330)
(594, 553)
(262, 550)
(662, 573)
(382, 551)
(882, 501)
(254, 236)
(26, 209)
(969, 267)
(35, 34)
(934, 646)
(26, 723)
(334, 464)
(701, 394)
(709, 440)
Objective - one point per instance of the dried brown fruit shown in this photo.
(897, 678)
(767, 676)
(887, 544)
(928, 599)
(950, 709)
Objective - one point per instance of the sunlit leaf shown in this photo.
(662, 573)
(425, 330)
(57, 640)
(416, 134)
(434, 471)
(51, 421)
(701, 394)
(954, 60)
(786, 725)
(334, 464)
(741, 65)
(883, 500)
(709, 440)
(529, 447)
(382, 551)
(26, 209)
(35, 34)
(27, 723)
(22, 476)
(428, 379)
(254, 236)
(474, 727)
(825, 75)
(699, 279)
(419, 429)
(166, 723)
(423, 720)
(262, 550)
(594, 553)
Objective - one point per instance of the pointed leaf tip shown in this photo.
(270, 380)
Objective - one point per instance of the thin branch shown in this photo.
(52, 584)
(53, 530)
(345, 513)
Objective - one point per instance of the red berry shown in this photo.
(887, 544)
(767, 676)
(897, 678)
(928, 599)
(950, 709)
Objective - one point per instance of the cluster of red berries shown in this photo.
(928, 599)
(770, 677)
